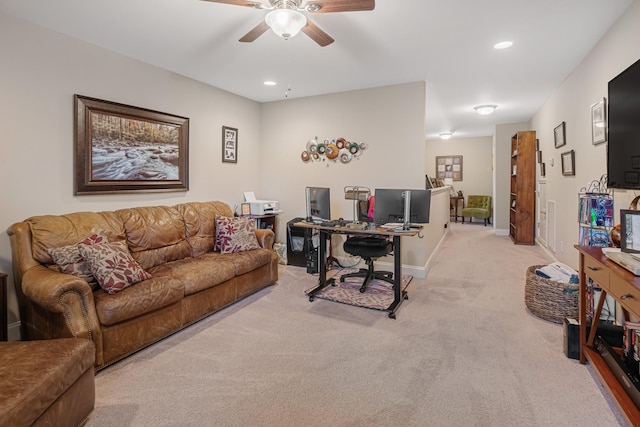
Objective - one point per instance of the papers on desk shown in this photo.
(397, 227)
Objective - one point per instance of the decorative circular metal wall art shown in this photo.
(334, 151)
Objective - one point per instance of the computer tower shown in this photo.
(571, 336)
(298, 244)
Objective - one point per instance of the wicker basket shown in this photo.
(548, 299)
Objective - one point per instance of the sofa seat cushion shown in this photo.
(197, 274)
(136, 300)
(36, 375)
(243, 262)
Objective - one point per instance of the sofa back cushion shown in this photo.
(199, 219)
(56, 231)
(155, 234)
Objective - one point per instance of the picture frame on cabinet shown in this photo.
(568, 163)
(124, 149)
(599, 122)
(559, 135)
(229, 144)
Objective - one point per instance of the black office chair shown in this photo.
(369, 248)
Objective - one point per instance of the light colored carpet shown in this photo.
(463, 351)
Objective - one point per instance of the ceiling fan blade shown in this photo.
(257, 31)
(316, 34)
(254, 4)
(326, 6)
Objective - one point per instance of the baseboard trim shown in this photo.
(501, 232)
(13, 331)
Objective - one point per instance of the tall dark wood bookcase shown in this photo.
(522, 204)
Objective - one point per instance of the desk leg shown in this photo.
(322, 268)
(398, 294)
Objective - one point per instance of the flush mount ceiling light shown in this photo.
(503, 45)
(285, 22)
(446, 135)
(270, 83)
(485, 110)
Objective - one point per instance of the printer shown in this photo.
(260, 207)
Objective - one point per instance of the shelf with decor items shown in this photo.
(523, 185)
(595, 214)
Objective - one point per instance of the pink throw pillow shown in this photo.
(112, 265)
(69, 260)
(235, 234)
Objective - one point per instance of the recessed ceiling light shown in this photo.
(269, 83)
(485, 110)
(446, 135)
(503, 45)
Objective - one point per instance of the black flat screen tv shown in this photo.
(623, 146)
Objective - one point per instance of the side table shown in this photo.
(453, 200)
(4, 334)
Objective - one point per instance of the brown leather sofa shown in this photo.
(46, 383)
(175, 244)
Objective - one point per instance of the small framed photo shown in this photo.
(559, 135)
(568, 163)
(229, 145)
(599, 122)
(245, 209)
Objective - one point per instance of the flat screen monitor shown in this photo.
(318, 201)
(389, 206)
(630, 230)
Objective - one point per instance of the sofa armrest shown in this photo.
(266, 238)
(67, 295)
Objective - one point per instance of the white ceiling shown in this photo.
(446, 43)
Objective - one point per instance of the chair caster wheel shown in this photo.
(392, 315)
(310, 299)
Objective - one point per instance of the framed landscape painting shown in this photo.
(120, 148)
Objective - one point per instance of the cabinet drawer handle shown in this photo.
(593, 268)
(626, 296)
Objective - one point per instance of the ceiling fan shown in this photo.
(287, 19)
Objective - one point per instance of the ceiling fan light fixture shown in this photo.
(285, 22)
(485, 110)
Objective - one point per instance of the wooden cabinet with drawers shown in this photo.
(624, 287)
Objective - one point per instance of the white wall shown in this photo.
(390, 120)
(42, 70)
(477, 162)
(571, 103)
(502, 178)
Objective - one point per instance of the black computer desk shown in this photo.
(325, 232)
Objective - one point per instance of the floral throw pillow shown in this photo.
(69, 260)
(235, 234)
(112, 265)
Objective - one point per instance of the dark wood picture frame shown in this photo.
(568, 163)
(229, 144)
(121, 148)
(559, 135)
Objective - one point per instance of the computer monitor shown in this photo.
(390, 206)
(630, 230)
(318, 203)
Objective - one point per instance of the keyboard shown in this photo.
(626, 260)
